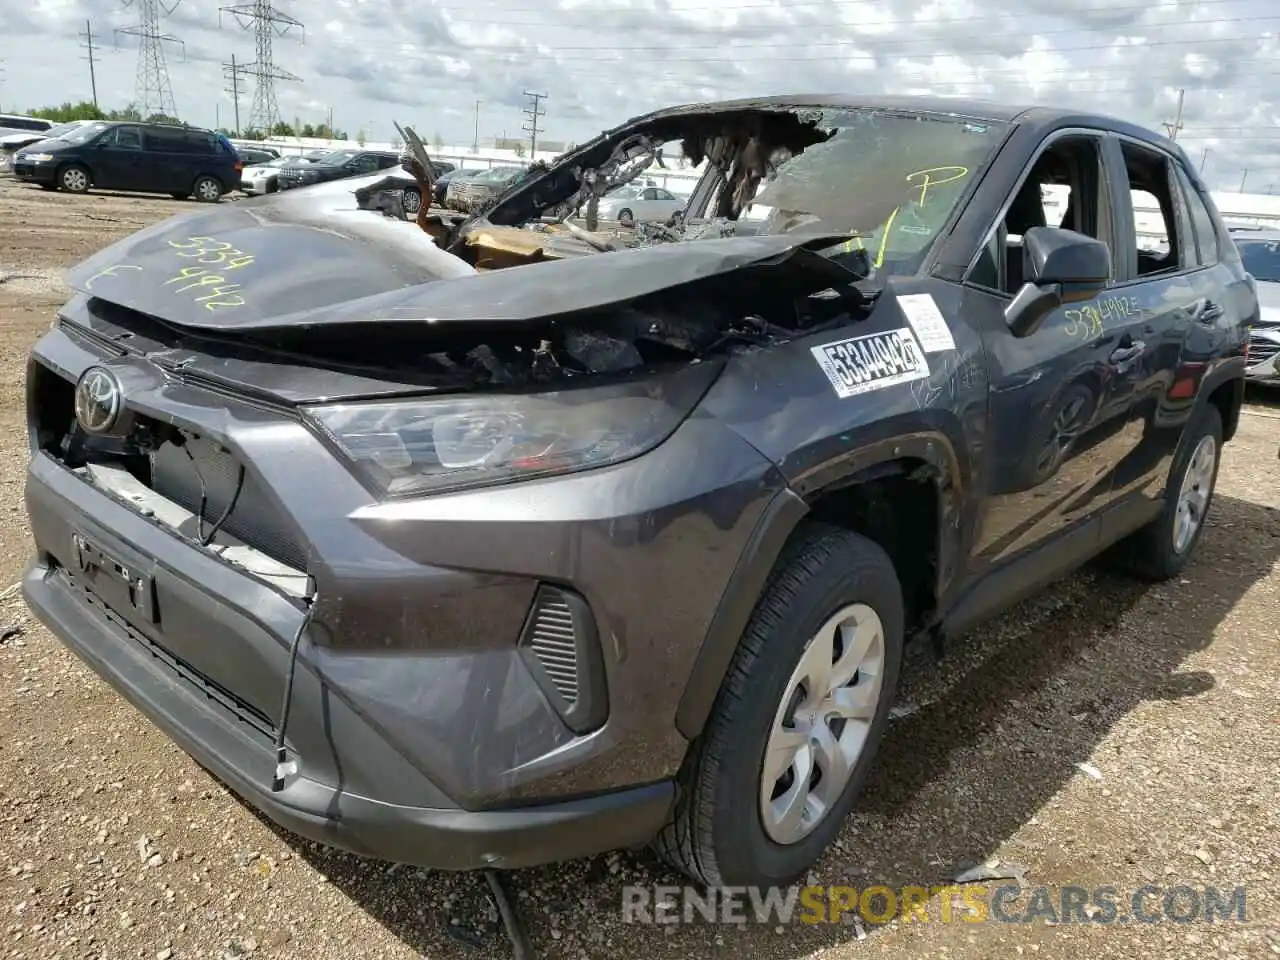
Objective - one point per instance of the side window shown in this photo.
(1063, 188)
(665, 195)
(364, 163)
(126, 138)
(650, 194)
(164, 141)
(1155, 214)
(1202, 223)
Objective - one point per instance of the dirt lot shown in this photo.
(113, 843)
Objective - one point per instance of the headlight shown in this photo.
(417, 446)
(37, 157)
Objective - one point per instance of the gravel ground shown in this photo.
(113, 843)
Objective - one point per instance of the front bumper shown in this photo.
(422, 729)
(34, 172)
(440, 837)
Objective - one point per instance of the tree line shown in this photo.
(87, 110)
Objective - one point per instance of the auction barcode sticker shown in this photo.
(872, 361)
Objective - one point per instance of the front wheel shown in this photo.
(74, 179)
(1161, 549)
(412, 200)
(626, 217)
(805, 703)
(207, 190)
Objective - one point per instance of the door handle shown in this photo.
(1125, 354)
(1206, 311)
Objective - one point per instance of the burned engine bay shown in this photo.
(768, 301)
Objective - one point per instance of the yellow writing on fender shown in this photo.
(880, 904)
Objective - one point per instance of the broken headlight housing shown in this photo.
(416, 446)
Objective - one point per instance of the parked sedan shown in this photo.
(631, 203)
(469, 193)
(261, 178)
(336, 165)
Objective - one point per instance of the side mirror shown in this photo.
(1061, 266)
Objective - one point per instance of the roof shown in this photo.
(969, 108)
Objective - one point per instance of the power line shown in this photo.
(152, 88)
(232, 72)
(266, 22)
(533, 113)
(89, 45)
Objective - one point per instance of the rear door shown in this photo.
(170, 158)
(1172, 302)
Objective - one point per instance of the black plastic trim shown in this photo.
(591, 709)
(734, 611)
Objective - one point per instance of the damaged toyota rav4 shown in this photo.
(504, 538)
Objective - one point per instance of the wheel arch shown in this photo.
(850, 494)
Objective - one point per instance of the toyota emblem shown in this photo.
(99, 400)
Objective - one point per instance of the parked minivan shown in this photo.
(178, 160)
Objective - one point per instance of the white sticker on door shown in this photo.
(927, 321)
(872, 361)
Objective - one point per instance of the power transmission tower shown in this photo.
(533, 113)
(152, 89)
(266, 22)
(232, 72)
(1176, 125)
(89, 45)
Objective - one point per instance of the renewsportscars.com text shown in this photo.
(970, 903)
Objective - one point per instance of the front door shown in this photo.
(1053, 441)
(119, 162)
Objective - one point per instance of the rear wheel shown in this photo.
(74, 179)
(207, 190)
(1161, 549)
(626, 216)
(794, 729)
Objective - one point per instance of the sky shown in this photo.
(425, 63)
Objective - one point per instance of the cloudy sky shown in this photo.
(426, 62)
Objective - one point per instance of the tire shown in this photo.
(74, 179)
(626, 216)
(412, 201)
(207, 189)
(1156, 552)
(719, 838)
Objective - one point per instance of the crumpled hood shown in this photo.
(242, 262)
(312, 258)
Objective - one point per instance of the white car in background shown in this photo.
(260, 178)
(634, 203)
(11, 143)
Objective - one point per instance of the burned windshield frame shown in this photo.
(908, 171)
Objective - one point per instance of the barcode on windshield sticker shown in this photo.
(871, 362)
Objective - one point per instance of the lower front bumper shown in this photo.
(438, 838)
(34, 172)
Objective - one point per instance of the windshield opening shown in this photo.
(892, 179)
(335, 157)
(84, 133)
(1261, 258)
